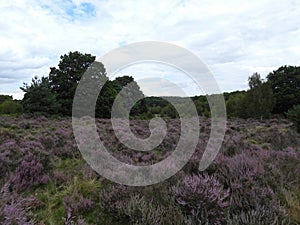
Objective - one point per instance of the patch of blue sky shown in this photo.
(88, 8)
(70, 9)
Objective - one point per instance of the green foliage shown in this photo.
(105, 100)
(4, 98)
(294, 115)
(236, 105)
(121, 82)
(38, 98)
(202, 106)
(110, 91)
(169, 111)
(285, 83)
(64, 79)
(52, 209)
(257, 102)
(130, 92)
(260, 100)
(54, 95)
(11, 107)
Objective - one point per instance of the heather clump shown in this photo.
(30, 173)
(203, 197)
(14, 208)
(261, 215)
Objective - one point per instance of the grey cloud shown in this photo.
(233, 38)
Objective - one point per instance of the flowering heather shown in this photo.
(14, 213)
(14, 209)
(77, 205)
(251, 181)
(202, 196)
(28, 174)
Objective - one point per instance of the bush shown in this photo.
(294, 115)
(11, 107)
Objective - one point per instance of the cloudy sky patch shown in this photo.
(233, 38)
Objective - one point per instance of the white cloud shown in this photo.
(234, 38)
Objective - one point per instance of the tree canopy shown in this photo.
(38, 97)
(285, 83)
(64, 79)
(54, 94)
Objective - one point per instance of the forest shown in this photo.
(255, 178)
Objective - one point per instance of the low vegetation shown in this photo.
(255, 179)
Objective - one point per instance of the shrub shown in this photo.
(11, 107)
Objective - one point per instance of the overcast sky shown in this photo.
(233, 38)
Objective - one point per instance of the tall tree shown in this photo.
(285, 83)
(64, 79)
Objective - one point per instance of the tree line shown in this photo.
(277, 96)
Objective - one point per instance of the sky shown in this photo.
(234, 38)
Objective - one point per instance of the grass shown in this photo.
(51, 209)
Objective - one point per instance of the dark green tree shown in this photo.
(294, 115)
(285, 83)
(121, 82)
(140, 108)
(132, 90)
(105, 100)
(38, 97)
(64, 79)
